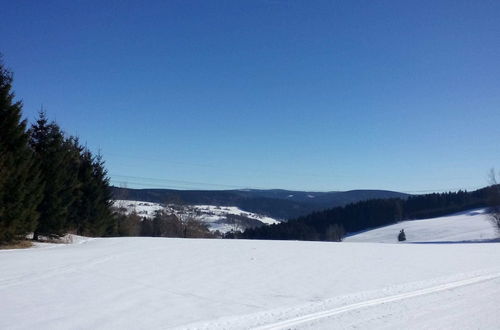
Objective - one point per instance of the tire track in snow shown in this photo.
(286, 324)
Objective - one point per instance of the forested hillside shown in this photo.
(332, 224)
(276, 203)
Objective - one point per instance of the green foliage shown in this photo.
(92, 210)
(49, 183)
(59, 177)
(20, 187)
(76, 187)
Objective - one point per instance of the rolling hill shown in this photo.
(276, 203)
(462, 227)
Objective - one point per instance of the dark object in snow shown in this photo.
(402, 236)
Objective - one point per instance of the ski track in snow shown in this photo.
(324, 314)
(305, 315)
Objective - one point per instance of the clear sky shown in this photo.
(309, 95)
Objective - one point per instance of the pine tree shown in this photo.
(75, 150)
(82, 208)
(93, 207)
(105, 197)
(20, 189)
(58, 176)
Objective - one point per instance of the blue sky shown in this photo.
(313, 95)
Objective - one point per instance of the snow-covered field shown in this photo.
(221, 218)
(467, 226)
(163, 283)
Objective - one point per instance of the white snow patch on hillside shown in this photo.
(162, 283)
(215, 216)
(219, 211)
(144, 209)
(472, 225)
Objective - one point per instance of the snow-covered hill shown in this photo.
(144, 209)
(162, 283)
(221, 218)
(467, 226)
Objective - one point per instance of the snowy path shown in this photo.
(157, 283)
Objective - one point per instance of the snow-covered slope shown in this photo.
(144, 209)
(221, 218)
(462, 227)
(162, 283)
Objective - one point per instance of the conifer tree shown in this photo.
(58, 176)
(402, 236)
(75, 151)
(93, 207)
(20, 190)
(83, 206)
(105, 197)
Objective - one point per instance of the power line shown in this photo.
(183, 184)
(218, 166)
(124, 184)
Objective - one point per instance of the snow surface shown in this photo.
(462, 227)
(214, 216)
(167, 283)
(162, 283)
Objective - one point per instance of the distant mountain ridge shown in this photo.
(276, 203)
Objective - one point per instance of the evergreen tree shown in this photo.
(105, 198)
(20, 191)
(76, 151)
(402, 236)
(93, 208)
(58, 176)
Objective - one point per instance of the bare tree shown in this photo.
(494, 198)
(129, 225)
(235, 223)
(194, 228)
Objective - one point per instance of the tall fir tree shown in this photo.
(59, 175)
(75, 151)
(83, 207)
(20, 188)
(92, 208)
(105, 197)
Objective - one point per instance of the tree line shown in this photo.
(162, 224)
(332, 224)
(50, 184)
